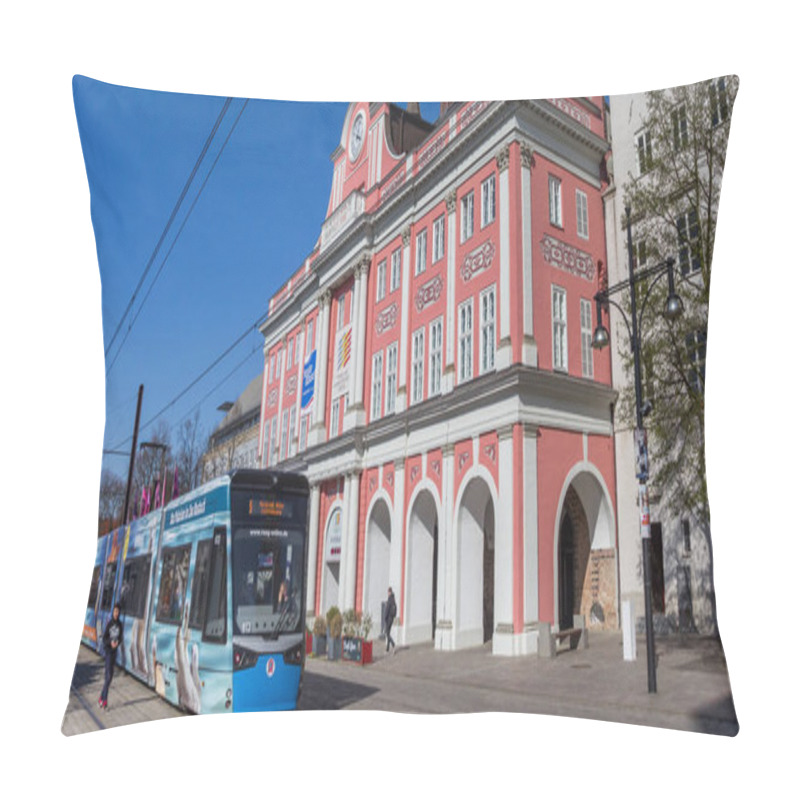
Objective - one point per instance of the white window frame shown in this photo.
(438, 240)
(719, 101)
(377, 385)
(290, 354)
(310, 345)
(335, 417)
(488, 200)
(488, 312)
(435, 358)
(418, 366)
(292, 423)
(278, 360)
(340, 312)
(274, 441)
(558, 311)
(391, 378)
(587, 353)
(554, 201)
(304, 418)
(284, 435)
(265, 452)
(421, 253)
(380, 290)
(271, 372)
(465, 341)
(467, 216)
(680, 127)
(696, 344)
(687, 243)
(644, 152)
(397, 269)
(582, 213)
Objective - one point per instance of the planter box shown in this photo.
(319, 646)
(356, 650)
(334, 647)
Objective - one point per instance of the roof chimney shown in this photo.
(413, 108)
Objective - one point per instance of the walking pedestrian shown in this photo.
(389, 614)
(112, 638)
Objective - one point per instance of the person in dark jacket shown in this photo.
(112, 639)
(389, 614)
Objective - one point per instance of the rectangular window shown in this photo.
(335, 418)
(465, 341)
(487, 330)
(719, 101)
(582, 210)
(284, 435)
(396, 269)
(696, 350)
(173, 584)
(467, 216)
(109, 579)
(270, 369)
(438, 239)
(377, 385)
(487, 201)
(680, 128)
(391, 377)
(135, 580)
(274, 440)
(340, 313)
(215, 629)
(304, 431)
(200, 583)
(644, 152)
(559, 329)
(95, 585)
(422, 252)
(292, 423)
(310, 337)
(380, 291)
(687, 537)
(278, 359)
(417, 365)
(688, 242)
(435, 359)
(587, 357)
(555, 201)
(290, 354)
(640, 254)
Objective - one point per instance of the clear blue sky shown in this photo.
(235, 239)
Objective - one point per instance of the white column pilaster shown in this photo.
(502, 640)
(449, 376)
(529, 350)
(313, 545)
(347, 586)
(402, 395)
(356, 413)
(396, 545)
(503, 357)
(444, 629)
(530, 501)
(321, 379)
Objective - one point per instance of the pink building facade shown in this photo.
(429, 368)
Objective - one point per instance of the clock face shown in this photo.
(357, 135)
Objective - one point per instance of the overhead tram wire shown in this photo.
(177, 236)
(250, 329)
(174, 213)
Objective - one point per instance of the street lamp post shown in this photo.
(672, 310)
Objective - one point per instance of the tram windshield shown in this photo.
(267, 580)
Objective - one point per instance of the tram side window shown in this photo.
(200, 582)
(133, 594)
(109, 578)
(172, 589)
(93, 588)
(215, 629)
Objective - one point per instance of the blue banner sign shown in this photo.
(309, 370)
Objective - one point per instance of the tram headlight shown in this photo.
(243, 659)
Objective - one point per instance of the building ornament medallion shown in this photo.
(429, 292)
(386, 319)
(491, 452)
(478, 260)
(462, 460)
(291, 384)
(325, 299)
(414, 473)
(406, 234)
(568, 258)
(272, 397)
(450, 201)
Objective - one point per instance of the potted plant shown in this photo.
(318, 637)
(334, 642)
(356, 646)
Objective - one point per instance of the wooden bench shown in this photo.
(549, 639)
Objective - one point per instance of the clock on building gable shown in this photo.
(357, 132)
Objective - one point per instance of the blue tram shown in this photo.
(212, 594)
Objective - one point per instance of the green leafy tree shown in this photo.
(674, 203)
